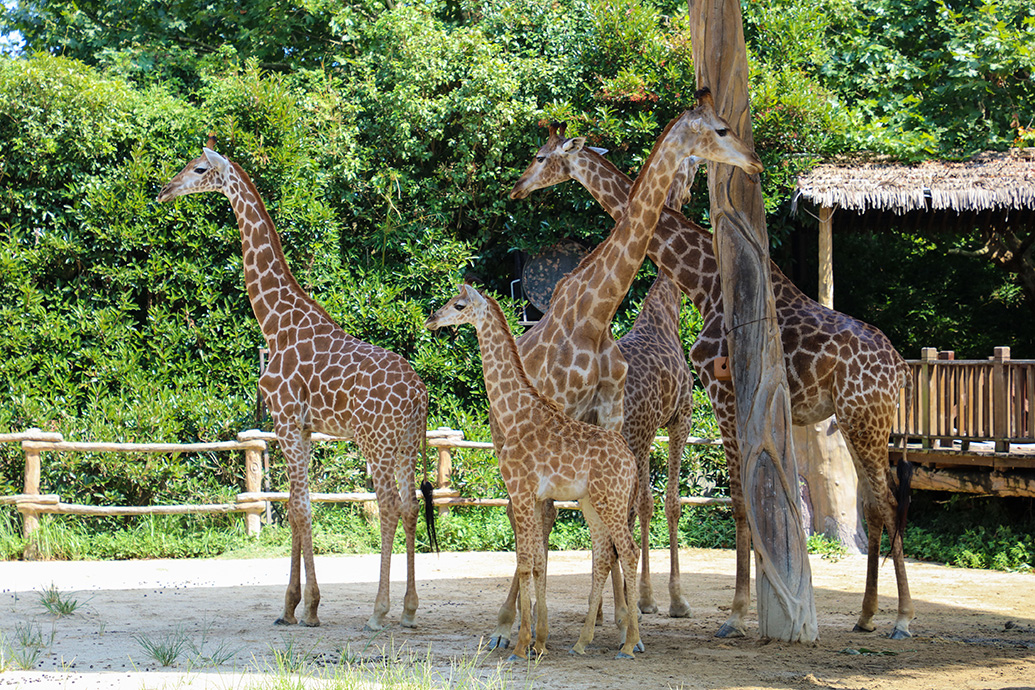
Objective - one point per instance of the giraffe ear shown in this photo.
(214, 159)
(597, 150)
(574, 145)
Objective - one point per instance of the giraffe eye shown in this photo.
(540, 159)
(201, 170)
(722, 132)
(459, 306)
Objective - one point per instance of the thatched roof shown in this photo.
(989, 181)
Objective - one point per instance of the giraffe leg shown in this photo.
(868, 447)
(524, 519)
(388, 504)
(735, 625)
(410, 512)
(295, 447)
(625, 545)
(678, 431)
(874, 529)
(293, 595)
(602, 564)
(645, 510)
(500, 638)
(542, 628)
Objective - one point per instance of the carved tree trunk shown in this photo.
(786, 608)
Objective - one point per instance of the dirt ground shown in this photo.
(974, 629)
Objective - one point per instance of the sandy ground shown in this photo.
(974, 629)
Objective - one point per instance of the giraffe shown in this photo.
(320, 379)
(570, 355)
(545, 454)
(835, 364)
(658, 394)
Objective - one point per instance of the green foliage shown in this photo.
(972, 532)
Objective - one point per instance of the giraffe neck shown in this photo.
(272, 289)
(660, 308)
(510, 392)
(696, 272)
(596, 289)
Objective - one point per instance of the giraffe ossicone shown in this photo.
(320, 379)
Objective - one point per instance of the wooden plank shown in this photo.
(974, 482)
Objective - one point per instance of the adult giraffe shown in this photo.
(570, 355)
(835, 365)
(320, 379)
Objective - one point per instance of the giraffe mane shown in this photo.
(278, 248)
(496, 312)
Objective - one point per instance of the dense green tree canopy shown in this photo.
(384, 138)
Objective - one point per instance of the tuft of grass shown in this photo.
(56, 603)
(164, 649)
(26, 649)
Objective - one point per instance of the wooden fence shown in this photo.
(970, 400)
(253, 501)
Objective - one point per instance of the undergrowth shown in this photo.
(965, 531)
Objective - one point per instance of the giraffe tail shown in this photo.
(429, 505)
(903, 466)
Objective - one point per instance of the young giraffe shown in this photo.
(545, 454)
(835, 365)
(321, 379)
(570, 355)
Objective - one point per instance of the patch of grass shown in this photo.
(56, 603)
(164, 649)
(829, 549)
(26, 649)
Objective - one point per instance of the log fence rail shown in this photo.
(253, 501)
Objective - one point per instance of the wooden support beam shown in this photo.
(769, 475)
(826, 257)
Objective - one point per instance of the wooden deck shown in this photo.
(970, 424)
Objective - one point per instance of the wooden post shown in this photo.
(1000, 395)
(786, 606)
(826, 257)
(928, 355)
(30, 517)
(253, 475)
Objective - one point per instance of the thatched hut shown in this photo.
(992, 190)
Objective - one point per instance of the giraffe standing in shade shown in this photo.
(320, 379)
(570, 355)
(835, 365)
(545, 454)
(658, 394)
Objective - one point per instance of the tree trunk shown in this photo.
(786, 608)
(830, 487)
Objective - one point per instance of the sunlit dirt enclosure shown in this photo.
(974, 628)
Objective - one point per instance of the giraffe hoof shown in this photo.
(900, 634)
(575, 651)
(284, 621)
(862, 629)
(728, 630)
(515, 657)
(639, 647)
(309, 624)
(648, 607)
(498, 642)
(623, 655)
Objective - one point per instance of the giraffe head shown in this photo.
(209, 172)
(705, 135)
(554, 162)
(470, 306)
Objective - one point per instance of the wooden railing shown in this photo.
(969, 400)
(253, 501)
